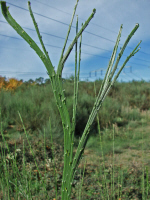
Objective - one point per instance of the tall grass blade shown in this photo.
(147, 183)
(54, 165)
(80, 189)
(113, 181)
(104, 182)
(29, 144)
(143, 170)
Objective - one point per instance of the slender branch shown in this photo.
(113, 55)
(79, 65)
(38, 32)
(62, 53)
(136, 49)
(111, 62)
(75, 81)
(98, 103)
(120, 70)
(61, 64)
(123, 48)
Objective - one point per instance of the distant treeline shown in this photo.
(36, 104)
(13, 83)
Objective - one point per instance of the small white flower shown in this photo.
(18, 150)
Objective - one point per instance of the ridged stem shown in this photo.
(62, 53)
(63, 60)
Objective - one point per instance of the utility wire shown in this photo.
(61, 48)
(62, 38)
(58, 21)
(132, 77)
(70, 40)
(69, 74)
(78, 17)
(54, 8)
(37, 73)
(41, 15)
(136, 76)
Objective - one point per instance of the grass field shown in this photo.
(115, 164)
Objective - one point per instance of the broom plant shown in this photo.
(71, 162)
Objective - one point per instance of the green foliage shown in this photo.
(70, 162)
(85, 104)
(40, 105)
(132, 115)
(39, 80)
(35, 105)
(110, 110)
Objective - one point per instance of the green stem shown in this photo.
(63, 60)
(67, 35)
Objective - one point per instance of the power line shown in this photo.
(68, 40)
(58, 21)
(23, 39)
(124, 75)
(132, 77)
(61, 48)
(138, 64)
(67, 74)
(53, 7)
(70, 73)
(136, 75)
(54, 46)
(65, 13)
(60, 38)
(41, 15)
(78, 17)
(82, 51)
(71, 40)
(11, 37)
(83, 44)
(81, 19)
(68, 25)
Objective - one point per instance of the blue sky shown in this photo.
(18, 60)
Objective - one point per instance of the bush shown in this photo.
(36, 104)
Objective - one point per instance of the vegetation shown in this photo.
(131, 125)
(10, 84)
(36, 104)
(71, 159)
